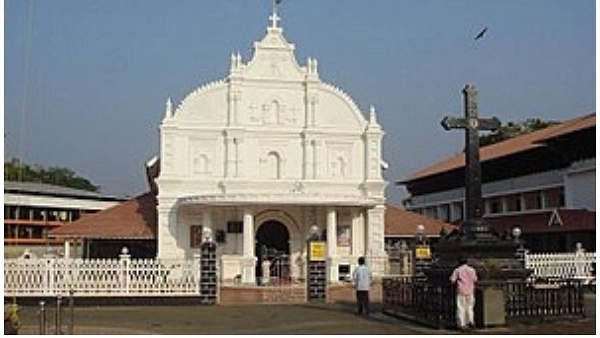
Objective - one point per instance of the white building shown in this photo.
(264, 154)
(32, 210)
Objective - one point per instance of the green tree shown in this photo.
(15, 170)
(512, 129)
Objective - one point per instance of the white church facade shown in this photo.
(258, 158)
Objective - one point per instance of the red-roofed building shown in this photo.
(528, 181)
(130, 224)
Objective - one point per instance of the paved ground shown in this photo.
(338, 318)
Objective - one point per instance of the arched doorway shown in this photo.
(272, 244)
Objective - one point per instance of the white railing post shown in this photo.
(124, 259)
(197, 265)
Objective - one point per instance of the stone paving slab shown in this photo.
(337, 318)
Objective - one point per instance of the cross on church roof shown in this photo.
(274, 19)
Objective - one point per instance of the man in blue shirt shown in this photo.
(362, 283)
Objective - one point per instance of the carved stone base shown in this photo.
(493, 257)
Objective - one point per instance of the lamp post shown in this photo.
(422, 253)
(516, 233)
(316, 265)
(314, 233)
(420, 234)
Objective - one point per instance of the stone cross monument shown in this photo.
(492, 255)
(472, 124)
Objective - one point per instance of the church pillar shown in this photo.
(314, 100)
(307, 166)
(375, 239)
(332, 258)
(67, 253)
(248, 258)
(358, 233)
(207, 221)
(231, 156)
(168, 232)
(236, 157)
(239, 160)
(316, 164)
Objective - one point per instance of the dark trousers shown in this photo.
(362, 300)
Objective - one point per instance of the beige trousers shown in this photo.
(464, 310)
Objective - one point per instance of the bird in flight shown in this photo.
(480, 34)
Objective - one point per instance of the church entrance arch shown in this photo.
(272, 246)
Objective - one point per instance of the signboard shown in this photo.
(317, 251)
(422, 252)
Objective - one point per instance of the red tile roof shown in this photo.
(401, 222)
(133, 219)
(510, 146)
(569, 220)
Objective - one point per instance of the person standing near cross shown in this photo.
(472, 124)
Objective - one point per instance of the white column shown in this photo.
(248, 259)
(358, 233)
(229, 156)
(238, 160)
(67, 253)
(207, 221)
(308, 159)
(331, 232)
(375, 239)
(332, 258)
(168, 232)
(316, 163)
(248, 247)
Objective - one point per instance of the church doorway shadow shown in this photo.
(272, 246)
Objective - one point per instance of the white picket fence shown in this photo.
(151, 277)
(570, 265)
(101, 277)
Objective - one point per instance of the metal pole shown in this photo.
(57, 323)
(42, 313)
(71, 310)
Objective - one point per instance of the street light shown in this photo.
(422, 253)
(314, 233)
(420, 233)
(207, 234)
(516, 232)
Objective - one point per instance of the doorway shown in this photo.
(272, 244)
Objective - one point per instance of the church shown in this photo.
(260, 159)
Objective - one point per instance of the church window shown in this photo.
(338, 167)
(272, 113)
(201, 164)
(273, 166)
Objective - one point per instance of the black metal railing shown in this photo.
(559, 298)
(433, 304)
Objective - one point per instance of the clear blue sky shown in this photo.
(86, 80)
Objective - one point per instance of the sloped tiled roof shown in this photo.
(133, 219)
(511, 146)
(569, 220)
(401, 222)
